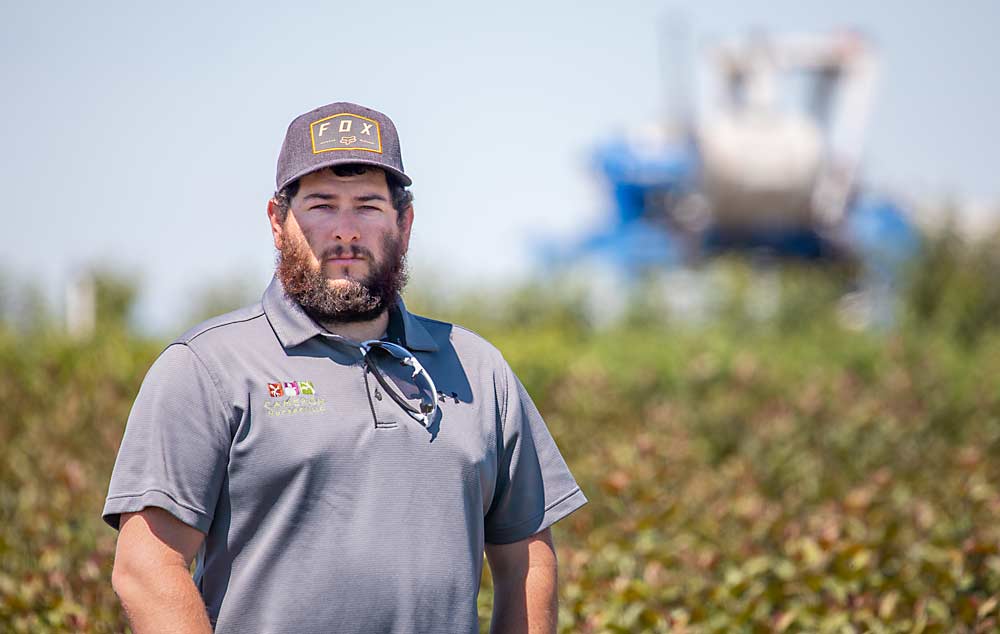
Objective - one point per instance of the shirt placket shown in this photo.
(385, 412)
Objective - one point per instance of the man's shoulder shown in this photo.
(234, 326)
(464, 341)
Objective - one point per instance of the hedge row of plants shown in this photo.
(781, 475)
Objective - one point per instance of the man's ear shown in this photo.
(406, 226)
(277, 226)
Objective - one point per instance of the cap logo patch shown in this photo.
(345, 131)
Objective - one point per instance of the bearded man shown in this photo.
(330, 461)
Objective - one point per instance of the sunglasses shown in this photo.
(400, 374)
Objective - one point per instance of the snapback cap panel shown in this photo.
(338, 133)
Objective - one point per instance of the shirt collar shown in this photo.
(294, 326)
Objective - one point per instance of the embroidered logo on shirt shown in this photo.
(293, 397)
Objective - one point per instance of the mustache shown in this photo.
(338, 251)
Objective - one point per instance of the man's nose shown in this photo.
(346, 230)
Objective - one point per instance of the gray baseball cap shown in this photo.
(338, 133)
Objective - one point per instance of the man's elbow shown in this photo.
(134, 576)
(128, 578)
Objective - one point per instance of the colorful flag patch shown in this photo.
(291, 388)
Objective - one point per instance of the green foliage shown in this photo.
(955, 288)
(778, 483)
(746, 474)
(64, 407)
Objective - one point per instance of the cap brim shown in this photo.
(403, 178)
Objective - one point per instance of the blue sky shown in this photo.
(145, 136)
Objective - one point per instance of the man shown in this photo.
(324, 478)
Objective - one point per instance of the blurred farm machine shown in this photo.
(767, 164)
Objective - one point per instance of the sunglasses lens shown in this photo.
(412, 390)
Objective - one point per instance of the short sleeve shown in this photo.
(176, 445)
(534, 487)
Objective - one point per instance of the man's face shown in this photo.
(340, 249)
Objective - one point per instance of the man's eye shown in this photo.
(320, 207)
(370, 207)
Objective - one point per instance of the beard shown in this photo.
(350, 300)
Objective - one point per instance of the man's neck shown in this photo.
(359, 330)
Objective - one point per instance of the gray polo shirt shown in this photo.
(326, 507)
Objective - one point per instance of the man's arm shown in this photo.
(152, 576)
(524, 585)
